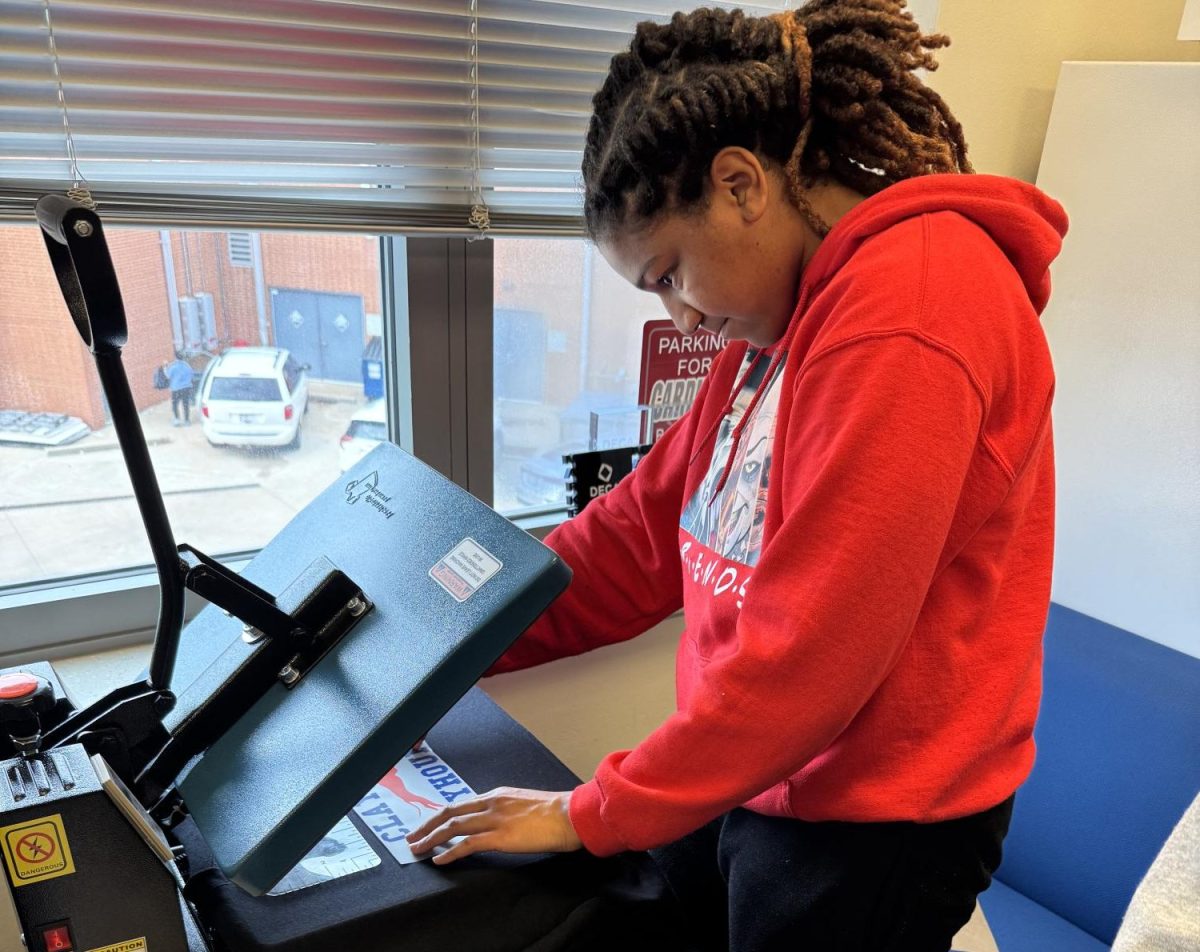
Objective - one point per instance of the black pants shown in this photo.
(181, 398)
(753, 883)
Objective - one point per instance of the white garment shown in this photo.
(1164, 914)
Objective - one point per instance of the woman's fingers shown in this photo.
(514, 821)
(445, 815)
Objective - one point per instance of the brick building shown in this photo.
(547, 292)
(44, 365)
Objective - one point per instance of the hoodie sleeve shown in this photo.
(880, 439)
(623, 550)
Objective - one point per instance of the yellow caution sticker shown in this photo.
(129, 945)
(36, 850)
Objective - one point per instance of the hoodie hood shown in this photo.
(1024, 222)
(1026, 225)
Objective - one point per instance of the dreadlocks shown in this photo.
(824, 90)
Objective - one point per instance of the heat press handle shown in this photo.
(75, 241)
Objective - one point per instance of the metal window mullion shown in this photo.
(397, 350)
(479, 393)
(449, 359)
(429, 346)
(456, 329)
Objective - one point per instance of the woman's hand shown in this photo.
(505, 819)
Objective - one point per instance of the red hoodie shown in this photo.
(867, 646)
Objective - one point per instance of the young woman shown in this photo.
(856, 516)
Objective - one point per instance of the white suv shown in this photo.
(254, 396)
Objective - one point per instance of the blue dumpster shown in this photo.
(372, 369)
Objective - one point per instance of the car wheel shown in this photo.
(295, 444)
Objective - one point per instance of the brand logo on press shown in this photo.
(367, 490)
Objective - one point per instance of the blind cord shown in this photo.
(480, 218)
(79, 190)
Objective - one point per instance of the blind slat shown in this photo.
(353, 114)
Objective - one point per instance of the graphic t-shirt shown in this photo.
(721, 530)
(730, 525)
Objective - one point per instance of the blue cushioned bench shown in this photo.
(1118, 762)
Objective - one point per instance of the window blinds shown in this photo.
(375, 116)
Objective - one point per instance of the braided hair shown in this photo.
(824, 90)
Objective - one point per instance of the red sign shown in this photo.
(673, 367)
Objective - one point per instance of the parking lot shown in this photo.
(69, 510)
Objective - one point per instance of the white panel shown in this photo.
(1189, 26)
(1122, 154)
(925, 12)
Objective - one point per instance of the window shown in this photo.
(459, 115)
(291, 374)
(567, 344)
(251, 389)
(367, 430)
(238, 455)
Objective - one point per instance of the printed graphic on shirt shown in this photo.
(408, 795)
(731, 524)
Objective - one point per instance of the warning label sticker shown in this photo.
(465, 568)
(36, 850)
(129, 945)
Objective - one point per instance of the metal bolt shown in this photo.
(356, 606)
(83, 228)
(251, 635)
(290, 674)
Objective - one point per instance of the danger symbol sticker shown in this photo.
(36, 850)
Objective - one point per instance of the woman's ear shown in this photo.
(738, 179)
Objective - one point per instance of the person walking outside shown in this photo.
(179, 379)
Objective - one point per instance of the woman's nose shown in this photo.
(685, 317)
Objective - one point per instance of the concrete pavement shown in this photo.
(70, 510)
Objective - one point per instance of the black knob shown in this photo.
(24, 698)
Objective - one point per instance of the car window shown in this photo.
(367, 430)
(244, 388)
(291, 374)
(208, 369)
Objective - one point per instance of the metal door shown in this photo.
(322, 330)
(341, 321)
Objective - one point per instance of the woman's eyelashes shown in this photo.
(667, 280)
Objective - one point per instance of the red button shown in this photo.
(57, 939)
(17, 685)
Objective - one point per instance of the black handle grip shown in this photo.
(75, 241)
(50, 211)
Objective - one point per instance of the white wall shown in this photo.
(999, 74)
(1122, 154)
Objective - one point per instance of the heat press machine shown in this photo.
(164, 816)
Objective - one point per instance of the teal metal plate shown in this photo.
(453, 583)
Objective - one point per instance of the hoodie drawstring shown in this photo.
(776, 359)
